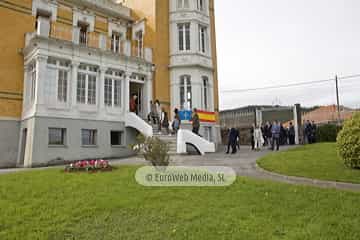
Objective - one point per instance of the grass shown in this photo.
(318, 161)
(53, 205)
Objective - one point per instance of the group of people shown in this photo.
(159, 116)
(271, 135)
(309, 132)
(276, 134)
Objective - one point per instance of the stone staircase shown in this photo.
(170, 139)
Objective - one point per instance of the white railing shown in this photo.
(134, 121)
(90, 39)
(187, 137)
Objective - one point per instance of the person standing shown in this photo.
(133, 104)
(258, 138)
(165, 121)
(153, 112)
(252, 130)
(291, 134)
(264, 130)
(313, 132)
(269, 135)
(233, 135)
(275, 130)
(195, 122)
(177, 122)
(158, 113)
(308, 132)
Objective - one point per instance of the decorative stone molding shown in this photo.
(137, 27)
(117, 27)
(84, 16)
(107, 6)
(49, 6)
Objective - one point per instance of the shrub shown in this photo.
(348, 142)
(154, 150)
(327, 133)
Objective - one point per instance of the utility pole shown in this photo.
(337, 100)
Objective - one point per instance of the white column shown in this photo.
(41, 62)
(101, 85)
(127, 92)
(25, 89)
(148, 92)
(74, 72)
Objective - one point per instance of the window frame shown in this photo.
(93, 136)
(201, 5)
(184, 36)
(183, 4)
(203, 39)
(116, 78)
(206, 92)
(121, 138)
(83, 32)
(61, 66)
(140, 43)
(90, 73)
(115, 42)
(185, 91)
(63, 136)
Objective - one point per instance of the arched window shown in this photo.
(185, 92)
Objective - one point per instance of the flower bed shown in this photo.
(89, 166)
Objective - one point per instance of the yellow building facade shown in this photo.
(67, 63)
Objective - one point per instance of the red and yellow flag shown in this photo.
(206, 116)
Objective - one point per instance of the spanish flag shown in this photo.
(206, 116)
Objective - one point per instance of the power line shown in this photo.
(290, 85)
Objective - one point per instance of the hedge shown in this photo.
(348, 142)
(327, 133)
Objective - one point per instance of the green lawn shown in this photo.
(319, 161)
(52, 205)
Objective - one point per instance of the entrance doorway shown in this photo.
(138, 90)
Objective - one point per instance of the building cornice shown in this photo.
(107, 7)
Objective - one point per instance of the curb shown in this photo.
(308, 181)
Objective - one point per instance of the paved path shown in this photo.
(244, 164)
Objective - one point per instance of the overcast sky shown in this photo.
(262, 43)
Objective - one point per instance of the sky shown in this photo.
(263, 43)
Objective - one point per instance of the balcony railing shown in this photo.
(89, 39)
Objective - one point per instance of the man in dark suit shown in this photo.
(232, 141)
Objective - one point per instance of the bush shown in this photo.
(154, 150)
(327, 133)
(348, 142)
